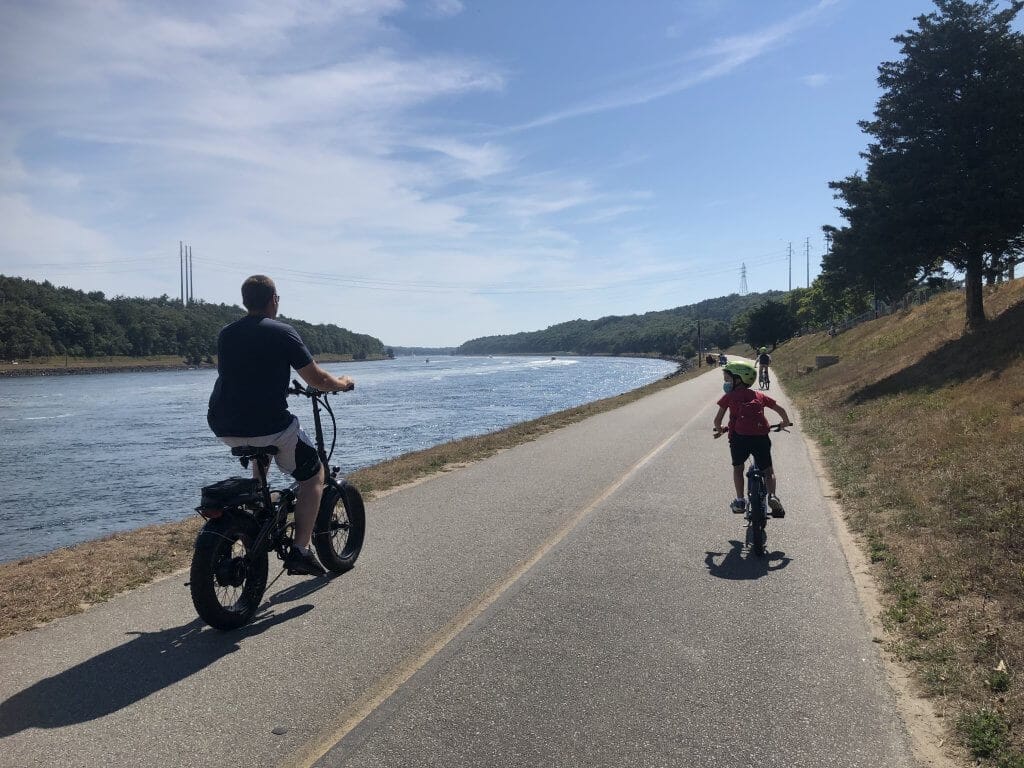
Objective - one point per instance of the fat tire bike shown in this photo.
(246, 520)
(757, 503)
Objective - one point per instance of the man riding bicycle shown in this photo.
(764, 361)
(248, 406)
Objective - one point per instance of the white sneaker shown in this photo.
(738, 506)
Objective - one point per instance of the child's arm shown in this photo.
(782, 412)
(718, 419)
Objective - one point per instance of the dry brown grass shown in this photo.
(39, 589)
(923, 430)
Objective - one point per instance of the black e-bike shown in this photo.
(246, 520)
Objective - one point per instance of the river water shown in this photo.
(85, 456)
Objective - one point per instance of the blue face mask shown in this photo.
(727, 386)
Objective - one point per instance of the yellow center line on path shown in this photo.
(386, 688)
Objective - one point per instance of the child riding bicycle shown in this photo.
(748, 431)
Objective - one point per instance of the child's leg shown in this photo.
(769, 479)
(737, 480)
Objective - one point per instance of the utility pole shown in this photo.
(700, 352)
(807, 251)
(191, 295)
(791, 265)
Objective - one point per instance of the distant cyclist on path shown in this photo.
(764, 361)
(249, 405)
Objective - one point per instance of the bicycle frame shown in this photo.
(330, 473)
(757, 495)
(273, 516)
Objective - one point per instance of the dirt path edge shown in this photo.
(931, 742)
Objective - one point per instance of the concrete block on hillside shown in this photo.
(824, 361)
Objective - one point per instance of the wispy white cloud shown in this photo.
(30, 235)
(721, 58)
(446, 7)
(321, 137)
(815, 81)
(234, 106)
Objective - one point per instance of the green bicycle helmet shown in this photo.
(762, 350)
(745, 371)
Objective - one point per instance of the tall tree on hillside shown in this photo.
(877, 253)
(767, 325)
(945, 175)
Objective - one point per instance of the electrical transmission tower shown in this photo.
(743, 279)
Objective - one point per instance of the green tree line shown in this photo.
(40, 319)
(671, 332)
(943, 184)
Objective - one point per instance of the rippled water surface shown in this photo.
(84, 456)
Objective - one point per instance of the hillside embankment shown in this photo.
(922, 429)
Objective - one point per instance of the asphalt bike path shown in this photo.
(580, 600)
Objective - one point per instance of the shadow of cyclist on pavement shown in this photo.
(301, 589)
(115, 679)
(735, 566)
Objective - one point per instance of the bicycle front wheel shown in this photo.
(228, 578)
(758, 537)
(340, 527)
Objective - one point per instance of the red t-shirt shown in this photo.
(746, 411)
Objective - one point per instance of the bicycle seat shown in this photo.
(252, 451)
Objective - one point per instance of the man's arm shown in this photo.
(317, 377)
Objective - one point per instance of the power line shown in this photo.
(434, 287)
(187, 284)
(84, 264)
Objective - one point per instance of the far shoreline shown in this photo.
(85, 366)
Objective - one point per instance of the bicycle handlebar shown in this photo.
(780, 427)
(297, 388)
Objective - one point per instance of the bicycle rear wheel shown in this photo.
(340, 527)
(227, 579)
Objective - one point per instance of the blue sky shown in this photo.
(429, 172)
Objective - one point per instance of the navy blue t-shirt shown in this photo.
(255, 356)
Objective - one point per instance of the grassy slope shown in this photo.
(923, 431)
